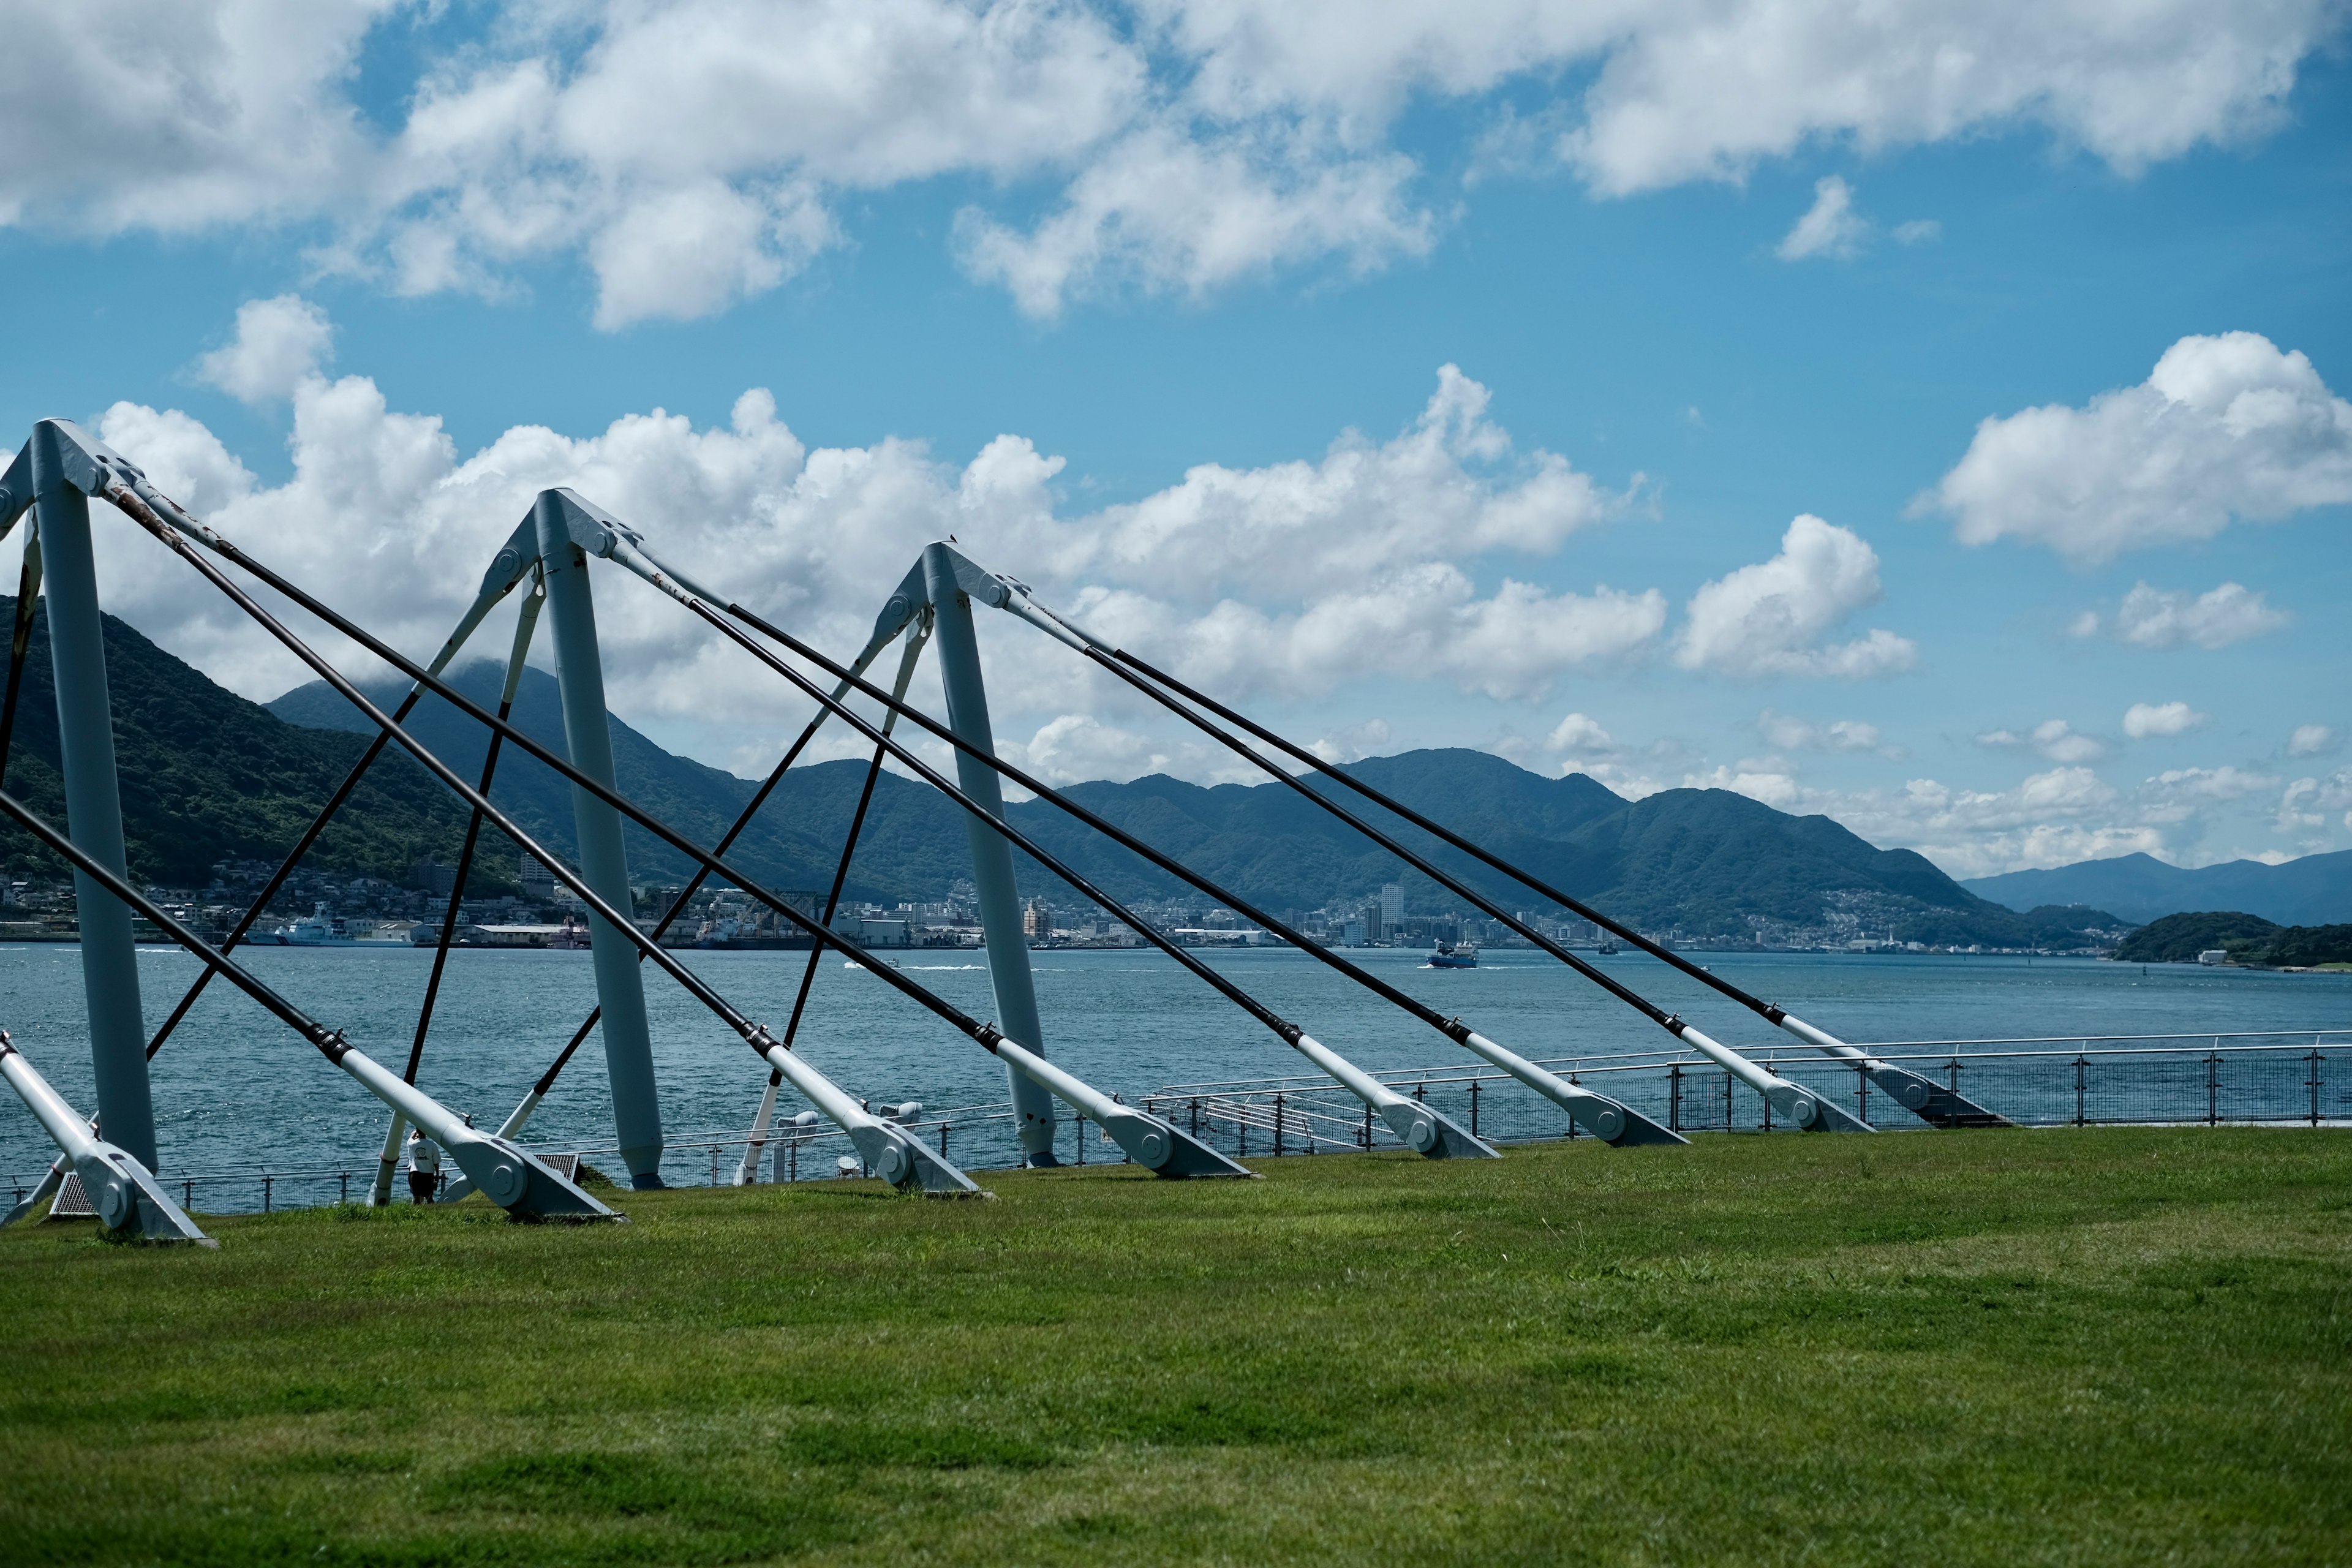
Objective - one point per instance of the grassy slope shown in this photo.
(2013, 1347)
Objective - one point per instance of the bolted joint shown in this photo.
(1457, 1031)
(333, 1047)
(1291, 1033)
(988, 1035)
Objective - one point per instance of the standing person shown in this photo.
(424, 1167)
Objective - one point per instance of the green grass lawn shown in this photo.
(2101, 1346)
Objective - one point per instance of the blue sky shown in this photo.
(1151, 306)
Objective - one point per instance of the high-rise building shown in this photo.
(1391, 906)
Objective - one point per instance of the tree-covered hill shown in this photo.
(206, 776)
(2247, 938)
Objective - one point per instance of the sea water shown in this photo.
(236, 1089)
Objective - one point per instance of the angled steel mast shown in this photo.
(55, 475)
(1150, 1141)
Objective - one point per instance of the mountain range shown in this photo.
(2314, 891)
(207, 775)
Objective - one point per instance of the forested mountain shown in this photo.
(208, 777)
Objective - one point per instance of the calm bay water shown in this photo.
(235, 1088)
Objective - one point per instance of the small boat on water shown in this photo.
(1608, 945)
(318, 929)
(1449, 956)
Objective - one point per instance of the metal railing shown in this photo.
(2277, 1077)
(2273, 1076)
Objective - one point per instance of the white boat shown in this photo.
(318, 929)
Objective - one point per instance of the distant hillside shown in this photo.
(2246, 938)
(207, 775)
(2313, 891)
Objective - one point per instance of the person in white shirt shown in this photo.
(423, 1167)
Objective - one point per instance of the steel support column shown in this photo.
(110, 958)
(603, 862)
(992, 856)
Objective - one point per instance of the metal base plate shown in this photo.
(1932, 1102)
(1445, 1139)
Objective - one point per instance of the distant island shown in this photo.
(2241, 938)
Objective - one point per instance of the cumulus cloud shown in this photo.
(2052, 738)
(2310, 739)
(2151, 617)
(1288, 579)
(1771, 619)
(1786, 733)
(2224, 428)
(2146, 720)
(1918, 231)
(280, 344)
(1177, 144)
(1578, 733)
(1830, 227)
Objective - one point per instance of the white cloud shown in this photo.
(1830, 227)
(1448, 484)
(1771, 619)
(2310, 739)
(1578, 733)
(2143, 720)
(280, 344)
(1166, 212)
(2224, 428)
(2052, 738)
(1292, 578)
(694, 154)
(1786, 733)
(1918, 231)
(2151, 617)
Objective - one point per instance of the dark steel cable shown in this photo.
(833, 895)
(1444, 878)
(20, 642)
(285, 869)
(449, 916)
(694, 885)
(331, 1042)
(1706, 977)
(1452, 1029)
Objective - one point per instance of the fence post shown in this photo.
(1572, 1121)
(1241, 1130)
(347, 1187)
(1473, 1107)
(2082, 1070)
(1726, 1100)
(1674, 1098)
(943, 1140)
(1861, 1095)
(1196, 1116)
(2314, 1059)
(1080, 1123)
(187, 1195)
(1277, 1124)
(1368, 1129)
(1953, 1067)
(267, 1183)
(2212, 1086)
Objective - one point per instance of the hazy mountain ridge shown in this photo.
(2315, 889)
